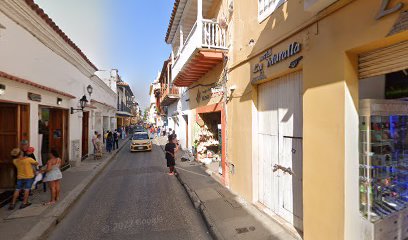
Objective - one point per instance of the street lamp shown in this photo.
(82, 103)
(89, 89)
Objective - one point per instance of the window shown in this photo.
(267, 7)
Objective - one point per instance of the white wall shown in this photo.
(24, 56)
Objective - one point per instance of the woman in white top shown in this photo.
(53, 176)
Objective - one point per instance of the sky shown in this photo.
(127, 35)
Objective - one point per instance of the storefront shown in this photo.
(208, 138)
(53, 133)
(300, 86)
(383, 141)
(207, 122)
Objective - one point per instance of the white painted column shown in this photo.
(34, 128)
(200, 20)
(181, 36)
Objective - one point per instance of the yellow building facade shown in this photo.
(295, 82)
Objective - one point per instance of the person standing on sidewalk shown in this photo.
(94, 137)
(115, 140)
(53, 176)
(109, 142)
(25, 177)
(171, 149)
(99, 147)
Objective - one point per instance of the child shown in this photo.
(171, 148)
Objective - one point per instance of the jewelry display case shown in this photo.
(383, 167)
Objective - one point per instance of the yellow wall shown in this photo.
(328, 40)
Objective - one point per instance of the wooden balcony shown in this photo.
(169, 95)
(202, 50)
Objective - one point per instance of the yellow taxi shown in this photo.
(141, 141)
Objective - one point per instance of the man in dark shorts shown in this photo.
(171, 149)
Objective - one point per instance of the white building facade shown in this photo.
(43, 74)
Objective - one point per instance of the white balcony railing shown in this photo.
(205, 34)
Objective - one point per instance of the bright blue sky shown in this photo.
(123, 34)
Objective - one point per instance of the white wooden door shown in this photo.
(268, 143)
(280, 145)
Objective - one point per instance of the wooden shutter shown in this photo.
(385, 60)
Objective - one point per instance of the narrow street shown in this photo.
(133, 198)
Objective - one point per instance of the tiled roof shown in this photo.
(24, 81)
(122, 83)
(54, 26)
(173, 15)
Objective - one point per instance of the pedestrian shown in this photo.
(164, 130)
(158, 131)
(105, 137)
(115, 140)
(94, 137)
(109, 142)
(171, 149)
(53, 176)
(25, 177)
(29, 152)
(99, 147)
(123, 133)
(24, 148)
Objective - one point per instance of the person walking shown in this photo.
(115, 140)
(109, 142)
(171, 149)
(53, 176)
(123, 133)
(99, 147)
(25, 176)
(94, 137)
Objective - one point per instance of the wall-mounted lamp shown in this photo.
(2, 89)
(89, 89)
(82, 103)
(59, 101)
(231, 90)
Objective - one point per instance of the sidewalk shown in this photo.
(227, 216)
(35, 221)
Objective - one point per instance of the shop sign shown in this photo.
(275, 58)
(34, 97)
(209, 93)
(384, 11)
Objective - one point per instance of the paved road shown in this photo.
(133, 198)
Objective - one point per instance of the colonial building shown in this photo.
(279, 89)
(154, 116)
(126, 104)
(198, 35)
(49, 93)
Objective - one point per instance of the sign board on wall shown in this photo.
(209, 94)
(271, 58)
(34, 97)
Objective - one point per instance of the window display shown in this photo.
(383, 158)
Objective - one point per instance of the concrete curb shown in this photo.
(212, 227)
(52, 218)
